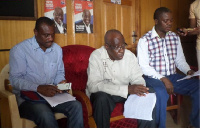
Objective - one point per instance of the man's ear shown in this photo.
(106, 46)
(35, 32)
(156, 21)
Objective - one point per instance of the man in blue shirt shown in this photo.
(36, 65)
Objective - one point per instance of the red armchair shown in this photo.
(76, 58)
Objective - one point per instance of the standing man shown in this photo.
(107, 84)
(84, 26)
(159, 53)
(36, 65)
(195, 23)
(60, 27)
(194, 16)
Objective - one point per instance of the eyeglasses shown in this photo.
(117, 48)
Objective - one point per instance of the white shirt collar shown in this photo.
(155, 34)
(104, 54)
(87, 27)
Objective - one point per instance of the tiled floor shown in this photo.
(184, 115)
(170, 122)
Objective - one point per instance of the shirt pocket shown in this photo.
(52, 70)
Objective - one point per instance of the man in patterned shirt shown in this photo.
(159, 54)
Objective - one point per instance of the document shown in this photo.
(189, 76)
(140, 107)
(64, 86)
(58, 98)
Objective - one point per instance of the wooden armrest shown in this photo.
(6, 94)
(9, 110)
(7, 85)
(85, 99)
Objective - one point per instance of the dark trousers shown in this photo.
(103, 105)
(43, 114)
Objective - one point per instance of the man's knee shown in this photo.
(99, 96)
(46, 119)
(77, 105)
(151, 90)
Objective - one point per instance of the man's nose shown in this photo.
(51, 37)
(121, 49)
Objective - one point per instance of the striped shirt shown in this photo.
(159, 57)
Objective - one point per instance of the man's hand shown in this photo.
(182, 31)
(63, 81)
(139, 90)
(169, 86)
(194, 31)
(48, 90)
(190, 72)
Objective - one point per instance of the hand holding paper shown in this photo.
(189, 76)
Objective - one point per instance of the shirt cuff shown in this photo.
(124, 91)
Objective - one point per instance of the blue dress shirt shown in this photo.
(30, 66)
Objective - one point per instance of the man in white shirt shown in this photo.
(159, 53)
(113, 74)
(84, 26)
(60, 27)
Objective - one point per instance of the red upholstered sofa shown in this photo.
(76, 58)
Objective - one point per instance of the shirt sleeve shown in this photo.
(96, 83)
(136, 72)
(180, 61)
(191, 12)
(60, 75)
(17, 71)
(143, 59)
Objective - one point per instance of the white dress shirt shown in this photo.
(143, 58)
(112, 77)
(60, 27)
(87, 28)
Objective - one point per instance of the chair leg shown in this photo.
(178, 110)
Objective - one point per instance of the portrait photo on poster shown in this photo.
(83, 16)
(56, 10)
(116, 1)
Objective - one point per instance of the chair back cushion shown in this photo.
(76, 59)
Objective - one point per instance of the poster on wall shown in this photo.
(83, 16)
(56, 10)
(116, 1)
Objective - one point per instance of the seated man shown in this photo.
(113, 74)
(36, 65)
(159, 53)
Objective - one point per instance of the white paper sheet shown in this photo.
(189, 76)
(140, 107)
(58, 98)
